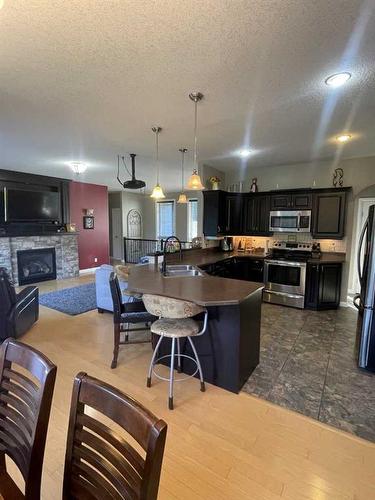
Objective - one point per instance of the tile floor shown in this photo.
(308, 364)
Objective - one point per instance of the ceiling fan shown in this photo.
(133, 183)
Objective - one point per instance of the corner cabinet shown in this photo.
(329, 215)
(233, 214)
(323, 285)
(214, 213)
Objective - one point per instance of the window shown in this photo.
(165, 218)
(192, 219)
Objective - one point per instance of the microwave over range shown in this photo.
(290, 221)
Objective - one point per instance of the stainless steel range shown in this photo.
(285, 273)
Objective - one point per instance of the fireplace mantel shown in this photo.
(65, 245)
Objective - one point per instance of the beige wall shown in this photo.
(131, 201)
(359, 173)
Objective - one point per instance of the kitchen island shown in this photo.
(229, 349)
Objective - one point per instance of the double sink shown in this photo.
(181, 271)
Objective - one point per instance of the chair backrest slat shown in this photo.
(99, 462)
(27, 380)
(116, 296)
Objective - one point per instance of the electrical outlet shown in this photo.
(95, 259)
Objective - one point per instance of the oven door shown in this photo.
(285, 276)
(283, 221)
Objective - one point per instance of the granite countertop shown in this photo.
(328, 257)
(205, 257)
(204, 290)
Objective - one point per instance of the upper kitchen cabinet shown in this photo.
(329, 214)
(256, 215)
(291, 201)
(214, 216)
(222, 213)
(233, 213)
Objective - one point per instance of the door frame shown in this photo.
(364, 200)
(119, 212)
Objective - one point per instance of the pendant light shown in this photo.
(194, 181)
(157, 192)
(182, 198)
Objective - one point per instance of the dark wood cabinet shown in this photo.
(248, 213)
(256, 215)
(214, 220)
(222, 213)
(323, 285)
(291, 201)
(329, 215)
(233, 214)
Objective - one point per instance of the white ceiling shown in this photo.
(86, 80)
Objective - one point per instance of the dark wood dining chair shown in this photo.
(100, 463)
(131, 312)
(26, 389)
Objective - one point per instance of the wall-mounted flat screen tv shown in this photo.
(22, 205)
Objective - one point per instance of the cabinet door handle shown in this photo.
(218, 229)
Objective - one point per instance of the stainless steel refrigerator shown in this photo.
(365, 300)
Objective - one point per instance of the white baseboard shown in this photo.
(89, 270)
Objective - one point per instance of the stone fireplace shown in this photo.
(36, 265)
(64, 246)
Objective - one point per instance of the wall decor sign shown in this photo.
(88, 222)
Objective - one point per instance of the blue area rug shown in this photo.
(72, 301)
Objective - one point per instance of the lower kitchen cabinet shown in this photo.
(239, 268)
(323, 285)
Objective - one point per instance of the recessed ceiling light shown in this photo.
(343, 138)
(244, 153)
(78, 167)
(338, 79)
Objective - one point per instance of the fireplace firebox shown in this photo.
(36, 265)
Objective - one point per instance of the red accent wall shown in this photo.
(92, 243)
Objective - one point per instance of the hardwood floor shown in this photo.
(220, 445)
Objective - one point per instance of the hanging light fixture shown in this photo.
(157, 192)
(194, 181)
(182, 198)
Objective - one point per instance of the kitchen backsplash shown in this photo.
(261, 242)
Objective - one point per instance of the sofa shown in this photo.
(103, 292)
(18, 311)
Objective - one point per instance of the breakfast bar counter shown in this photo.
(229, 349)
(204, 290)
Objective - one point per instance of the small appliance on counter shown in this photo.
(226, 244)
(315, 251)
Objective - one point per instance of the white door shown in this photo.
(117, 244)
(363, 208)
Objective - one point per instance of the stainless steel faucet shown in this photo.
(164, 263)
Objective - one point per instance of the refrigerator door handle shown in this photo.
(356, 297)
(361, 238)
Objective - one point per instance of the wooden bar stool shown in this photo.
(175, 322)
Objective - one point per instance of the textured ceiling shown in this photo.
(87, 80)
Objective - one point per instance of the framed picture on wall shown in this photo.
(88, 222)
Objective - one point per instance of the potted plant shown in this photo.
(215, 182)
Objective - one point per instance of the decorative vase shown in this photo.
(215, 186)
